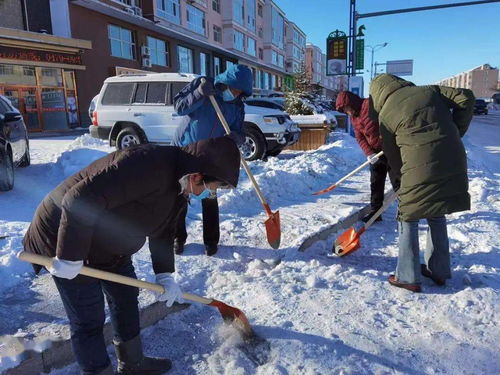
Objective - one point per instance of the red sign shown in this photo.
(23, 54)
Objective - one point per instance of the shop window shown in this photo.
(54, 109)
(17, 75)
(69, 80)
(122, 42)
(217, 66)
(72, 108)
(118, 94)
(51, 77)
(204, 64)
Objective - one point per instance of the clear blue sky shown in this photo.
(441, 42)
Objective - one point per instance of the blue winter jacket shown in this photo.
(201, 121)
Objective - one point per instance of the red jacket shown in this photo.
(365, 129)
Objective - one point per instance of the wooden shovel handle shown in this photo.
(243, 161)
(109, 276)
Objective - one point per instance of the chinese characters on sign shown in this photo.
(13, 53)
(336, 52)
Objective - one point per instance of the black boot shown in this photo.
(369, 216)
(178, 246)
(425, 272)
(211, 250)
(131, 360)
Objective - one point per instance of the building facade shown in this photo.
(109, 37)
(482, 80)
(38, 70)
(316, 70)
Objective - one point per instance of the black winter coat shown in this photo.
(105, 211)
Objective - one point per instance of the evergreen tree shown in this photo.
(297, 99)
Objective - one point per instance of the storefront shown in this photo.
(39, 78)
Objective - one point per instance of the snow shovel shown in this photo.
(348, 241)
(331, 187)
(273, 228)
(230, 315)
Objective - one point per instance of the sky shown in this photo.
(441, 42)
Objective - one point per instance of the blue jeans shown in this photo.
(436, 254)
(83, 300)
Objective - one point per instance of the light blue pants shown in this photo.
(436, 254)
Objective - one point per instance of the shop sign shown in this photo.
(336, 53)
(23, 54)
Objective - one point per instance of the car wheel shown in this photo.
(26, 159)
(6, 171)
(275, 152)
(254, 146)
(129, 137)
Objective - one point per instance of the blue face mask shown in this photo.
(207, 193)
(227, 95)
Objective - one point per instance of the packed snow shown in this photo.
(322, 314)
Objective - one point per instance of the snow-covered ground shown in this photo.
(322, 314)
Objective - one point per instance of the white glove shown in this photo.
(66, 269)
(173, 292)
(373, 158)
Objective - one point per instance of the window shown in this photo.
(140, 93)
(260, 32)
(261, 53)
(239, 41)
(195, 19)
(122, 42)
(158, 51)
(217, 34)
(260, 11)
(185, 59)
(118, 93)
(250, 15)
(51, 77)
(277, 59)
(251, 46)
(203, 64)
(238, 12)
(157, 92)
(297, 53)
(217, 65)
(277, 25)
(216, 5)
(169, 9)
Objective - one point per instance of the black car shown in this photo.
(14, 143)
(480, 107)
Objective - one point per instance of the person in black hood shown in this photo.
(101, 216)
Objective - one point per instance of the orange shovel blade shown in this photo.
(348, 242)
(234, 316)
(273, 229)
(329, 188)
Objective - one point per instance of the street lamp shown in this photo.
(373, 49)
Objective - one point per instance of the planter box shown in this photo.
(312, 136)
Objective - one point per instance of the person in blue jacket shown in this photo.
(201, 122)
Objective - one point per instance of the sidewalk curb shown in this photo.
(60, 354)
(342, 224)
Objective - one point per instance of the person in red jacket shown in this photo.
(369, 139)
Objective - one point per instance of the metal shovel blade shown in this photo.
(234, 316)
(273, 229)
(329, 188)
(348, 242)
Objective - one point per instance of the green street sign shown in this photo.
(360, 54)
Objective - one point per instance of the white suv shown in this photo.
(138, 108)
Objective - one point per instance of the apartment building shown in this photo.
(295, 47)
(316, 70)
(110, 37)
(39, 62)
(482, 80)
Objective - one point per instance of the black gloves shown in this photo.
(206, 88)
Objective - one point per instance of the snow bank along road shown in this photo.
(322, 314)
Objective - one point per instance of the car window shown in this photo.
(140, 93)
(176, 87)
(118, 93)
(157, 93)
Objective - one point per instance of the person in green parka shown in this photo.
(421, 129)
